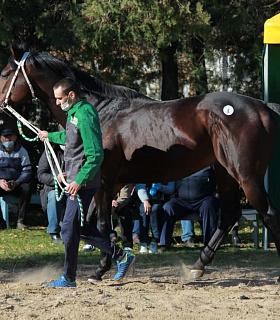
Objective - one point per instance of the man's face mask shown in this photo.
(66, 105)
(8, 144)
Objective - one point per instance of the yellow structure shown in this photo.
(272, 30)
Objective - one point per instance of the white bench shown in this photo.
(247, 214)
(11, 199)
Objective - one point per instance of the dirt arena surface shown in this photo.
(151, 293)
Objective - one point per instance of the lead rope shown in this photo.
(50, 155)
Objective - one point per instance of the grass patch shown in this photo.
(33, 247)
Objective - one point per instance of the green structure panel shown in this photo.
(272, 94)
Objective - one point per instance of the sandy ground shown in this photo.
(151, 293)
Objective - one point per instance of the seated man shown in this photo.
(47, 194)
(15, 172)
(196, 193)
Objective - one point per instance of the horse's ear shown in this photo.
(17, 52)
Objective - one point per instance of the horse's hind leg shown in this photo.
(255, 192)
(258, 197)
(228, 190)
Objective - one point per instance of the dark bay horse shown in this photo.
(153, 141)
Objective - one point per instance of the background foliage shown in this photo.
(133, 42)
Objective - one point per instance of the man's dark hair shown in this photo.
(67, 85)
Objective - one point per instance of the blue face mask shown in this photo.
(8, 144)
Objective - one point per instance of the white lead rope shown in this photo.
(46, 141)
(22, 119)
(49, 150)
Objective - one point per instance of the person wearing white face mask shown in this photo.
(15, 171)
(83, 156)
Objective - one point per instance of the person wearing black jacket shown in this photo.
(195, 193)
(53, 207)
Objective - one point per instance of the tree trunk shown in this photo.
(170, 87)
(200, 81)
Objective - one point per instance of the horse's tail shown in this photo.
(274, 107)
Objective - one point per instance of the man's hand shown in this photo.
(4, 185)
(73, 188)
(43, 135)
(147, 207)
(59, 178)
(114, 203)
(8, 185)
(12, 185)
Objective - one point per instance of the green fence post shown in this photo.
(271, 93)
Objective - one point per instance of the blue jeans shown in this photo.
(136, 228)
(23, 192)
(188, 230)
(149, 221)
(54, 212)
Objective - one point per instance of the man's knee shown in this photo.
(212, 203)
(25, 188)
(168, 207)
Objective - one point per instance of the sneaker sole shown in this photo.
(90, 280)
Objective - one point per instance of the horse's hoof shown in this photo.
(196, 274)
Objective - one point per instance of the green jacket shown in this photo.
(83, 153)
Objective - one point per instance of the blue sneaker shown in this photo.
(60, 283)
(124, 265)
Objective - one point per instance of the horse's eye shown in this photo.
(4, 75)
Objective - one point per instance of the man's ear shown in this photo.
(72, 95)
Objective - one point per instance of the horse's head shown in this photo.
(29, 74)
(14, 88)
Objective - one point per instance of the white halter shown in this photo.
(20, 66)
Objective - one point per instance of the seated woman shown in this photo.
(152, 197)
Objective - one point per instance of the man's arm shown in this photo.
(26, 171)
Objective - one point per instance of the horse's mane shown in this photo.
(89, 84)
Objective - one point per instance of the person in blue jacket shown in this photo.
(15, 171)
